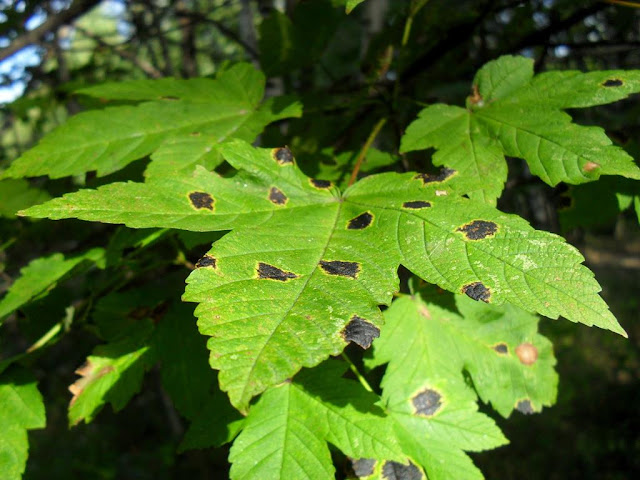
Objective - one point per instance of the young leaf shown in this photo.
(305, 268)
(434, 411)
(41, 275)
(109, 139)
(513, 113)
(112, 374)
(286, 433)
(21, 409)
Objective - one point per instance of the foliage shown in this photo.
(362, 311)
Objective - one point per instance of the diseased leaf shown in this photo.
(21, 409)
(286, 432)
(41, 275)
(107, 140)
(112, 374)
(305, 268)
(511, 112)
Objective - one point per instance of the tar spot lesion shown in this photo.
(416, 204)
(277, 197)
(363, 467)
(444, 174)
(477, 291)
(201, 200)
(274, 273)
(339, 268)
(397, 471)
(321, 184)
(427, 402)
(501, 348)
(360, 222)
(360, 331)
(525, 406)
(282, 155)
(207, 261)
(478, 229)
(613, 82)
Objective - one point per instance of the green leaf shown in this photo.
(286, 433)
(305, 268)
(41, 275)
(434, 410)
(112, 374)
(351, 4)
(107, 140)
(513, 113)
(21, 409)
(17, 195)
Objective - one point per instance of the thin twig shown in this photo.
(359, 376)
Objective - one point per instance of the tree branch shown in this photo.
(52, 23)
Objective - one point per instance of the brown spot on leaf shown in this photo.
(590, 166)
(201, 200)
(342, 269)
(274, 273)
(417, 204)
(478, 229)
(441, 176)
(613, 82)
(282, 155)
(363, 467)
(277, 197)
(361, 221)
(427, 402)
(398, 471)
(524, 406)
(322, 184)
(475, 98)
(206, 261)
(195, 134)
(477, 291)
(501, 348)
(527, 353)
(360, 331)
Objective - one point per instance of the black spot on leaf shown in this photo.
(478, 229)
(524, 406)
(342, 269)
(416, 204)
(501, 348)
(320, 183)
(441, 176)
(201, 200)
(361, 221)
(282, 155)
(359, 331)
(398, 471)
(613, 82)
(427, 402)
(363, 467)
(276, 196)
(206, 261)
(274, 273)
(477, 291)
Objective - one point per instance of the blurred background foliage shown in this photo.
(349, 71)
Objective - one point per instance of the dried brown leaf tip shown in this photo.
(444, 174)
(282, 155)
(427, 402)
(398, 471)
(527, 353)
(320, 184)
(201, 200)
(477, 291)
(360, 222)
(277, 197)
(478, 229)
(339, 268)
(266, 271)
(613, 82)
(87, 375)
(360, 331)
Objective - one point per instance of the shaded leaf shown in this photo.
(18, 194)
